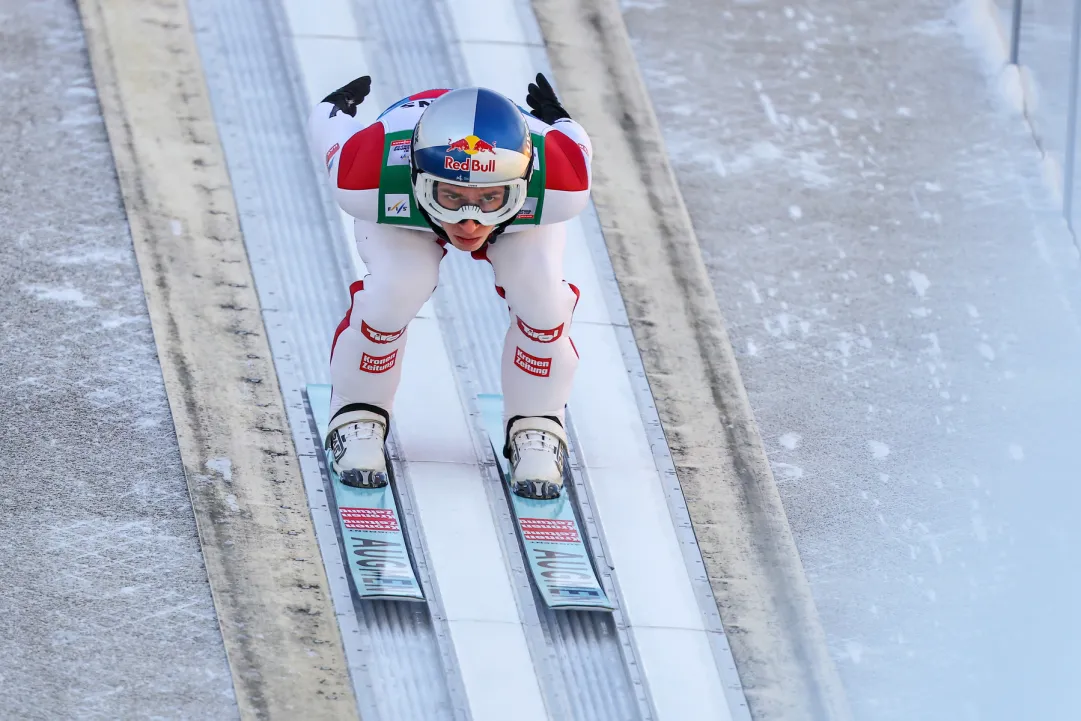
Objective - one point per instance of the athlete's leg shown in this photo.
(366, 357)
(539, 358)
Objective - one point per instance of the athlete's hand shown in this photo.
(349, 96)
(543, 103)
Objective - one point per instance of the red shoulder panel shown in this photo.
(429, 94)
(362, 159)
(565, 163)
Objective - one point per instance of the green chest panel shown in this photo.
(397, 205)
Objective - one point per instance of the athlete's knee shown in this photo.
(543, 305)
(388, 303)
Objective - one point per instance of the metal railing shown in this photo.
(1039, 44)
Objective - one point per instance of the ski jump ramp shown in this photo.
(205, 103)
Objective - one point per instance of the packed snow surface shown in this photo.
(902, 294)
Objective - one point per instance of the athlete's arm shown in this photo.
(568, 155)
(352, 156)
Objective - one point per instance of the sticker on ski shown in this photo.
(551, 538)
(371, 527)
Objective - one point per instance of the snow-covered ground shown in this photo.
(903, 294)
(105, 610)
(897, 279)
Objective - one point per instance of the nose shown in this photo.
(469, 225)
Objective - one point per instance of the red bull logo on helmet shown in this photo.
(471, 145)
(470, 165)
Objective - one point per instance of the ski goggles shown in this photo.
(486, 203)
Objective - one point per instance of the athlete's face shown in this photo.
(469, 235)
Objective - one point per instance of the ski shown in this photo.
(548, 529)
(371, 527)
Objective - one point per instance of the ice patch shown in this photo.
(795, 212)
(790, 440)
(647, 5)
(61, 295)
(79, 91)
(973, 312)
(752, 349)
(919, 282)
(878, 449)
(788, 471)
(935, 350)
(986, 351)
(854, 651)
(767, 107)
(979, 528)
(812, 171)
(1017, 452)
(230, 500)
(89, 257)
(936, 552)
(221, 466)
(117, 321)
(845, 346)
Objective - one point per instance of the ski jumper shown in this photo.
(369, 171)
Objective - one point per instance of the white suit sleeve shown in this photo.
(350, 154)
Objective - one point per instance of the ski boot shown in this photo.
(536, 447)
(356, 441)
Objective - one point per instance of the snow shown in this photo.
(60, 295)
(919, 282)
(221, 466)
(878, 449)
(937, 238)
(107, 611)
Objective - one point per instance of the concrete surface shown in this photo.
(902, 295)
(105, 610)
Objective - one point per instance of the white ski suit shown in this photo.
(368, 168)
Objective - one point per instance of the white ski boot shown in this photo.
(536, 447)
(356, 442)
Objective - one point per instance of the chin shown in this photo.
(471, 243)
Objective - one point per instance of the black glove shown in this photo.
(349, 96)
(543, 103)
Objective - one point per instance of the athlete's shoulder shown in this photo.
(567, 156)
(362, 156)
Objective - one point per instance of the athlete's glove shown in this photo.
(543, 103)
(349, 96)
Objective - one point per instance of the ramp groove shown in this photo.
(301, 268)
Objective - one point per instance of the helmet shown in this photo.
(471, 138)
